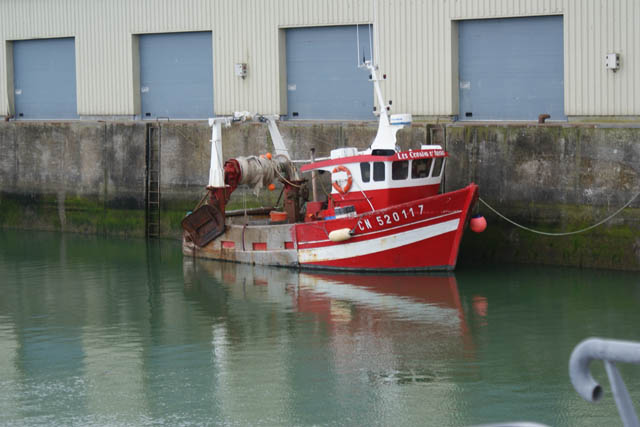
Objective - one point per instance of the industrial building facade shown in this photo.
(494, 60)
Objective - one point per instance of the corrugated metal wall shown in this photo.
(250, 33)
(417, 45)
(594, 28)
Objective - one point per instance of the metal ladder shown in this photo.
(153, 180)
(437, 135)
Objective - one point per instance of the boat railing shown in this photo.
(610, 352)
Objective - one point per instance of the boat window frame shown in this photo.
(368, 171)
(395, 170)
(376, 168)
(438, 162)
(427, 172)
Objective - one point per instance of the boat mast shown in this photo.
(386, 137)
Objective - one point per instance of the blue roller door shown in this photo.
(176, 75)
(511, 69)
(323, 78)
(44, 79)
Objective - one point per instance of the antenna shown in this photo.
(373, 2)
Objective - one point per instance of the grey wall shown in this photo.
(90, 176)
(73, 176)
(84, 159)
(556, 179)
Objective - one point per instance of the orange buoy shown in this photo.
(478, 224)
(271, 187)
(268, 155)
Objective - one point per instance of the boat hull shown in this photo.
(424, 234)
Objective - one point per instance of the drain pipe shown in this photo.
(542, 118)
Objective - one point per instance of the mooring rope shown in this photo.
(545, 233)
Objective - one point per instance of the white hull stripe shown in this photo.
(379, 244)
(360, 234)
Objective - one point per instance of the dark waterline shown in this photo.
(98, 331)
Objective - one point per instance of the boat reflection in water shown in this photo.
(422, 311)
(309, 348)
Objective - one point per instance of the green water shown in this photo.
(97, 331)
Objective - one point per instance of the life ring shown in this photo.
(342, 189)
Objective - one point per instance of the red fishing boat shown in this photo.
(385, 210)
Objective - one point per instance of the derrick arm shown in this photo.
(278, 142)
(208, 221)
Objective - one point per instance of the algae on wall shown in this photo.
(73, 176)
(554, 179)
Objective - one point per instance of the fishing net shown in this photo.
(258, 172)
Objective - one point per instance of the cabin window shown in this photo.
(378, 171)
(400, 170)
(420, 168)
(437, 166)
(365, 171)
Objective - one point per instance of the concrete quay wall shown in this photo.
(91, 177)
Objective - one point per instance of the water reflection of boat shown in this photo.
(424, 305)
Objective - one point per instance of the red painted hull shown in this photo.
(424, 234)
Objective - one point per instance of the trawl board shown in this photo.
(176, 75)
(511, 69)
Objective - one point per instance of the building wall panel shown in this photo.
(416, 40)
(6, 80)
(595, 29)
(250, 34)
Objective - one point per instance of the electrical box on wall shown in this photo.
(241, 70)
(612, 61)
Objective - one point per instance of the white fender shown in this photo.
(340, 235)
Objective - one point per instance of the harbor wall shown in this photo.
(91, 177)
